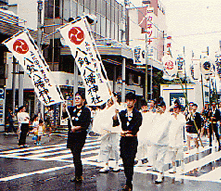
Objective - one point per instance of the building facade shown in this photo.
(114, 34)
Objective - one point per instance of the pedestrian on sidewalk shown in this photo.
(35, 123)
(40, 129)
(131, 120)
(23, 120)
(10, 119)
(81, 119)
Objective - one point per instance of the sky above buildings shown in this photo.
(194, 24)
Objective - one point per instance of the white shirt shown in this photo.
(176, 131)
(23, 117)
(159, 133)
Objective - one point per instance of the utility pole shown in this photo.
(146, 69)
(39, 39)
(39, 34)
(13, 83)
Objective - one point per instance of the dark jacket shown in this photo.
(215, 114)
(80, 117)
(132, 124)
(190, 127)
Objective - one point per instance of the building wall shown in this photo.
(27, 10)
(137, 21)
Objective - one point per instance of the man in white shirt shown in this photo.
(23, 120)
(160, 139)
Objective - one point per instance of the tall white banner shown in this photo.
(169, 68)
(29, 56)
(78, 37)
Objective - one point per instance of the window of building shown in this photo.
(49, 8)
(80, 9)
(103, 26)
(108, 31)
(108, 10)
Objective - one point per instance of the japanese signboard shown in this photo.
(78, 37)
(169, 68)
(195, 70)
(145, 19)
(29, 56)
(2, 106)
(138, 56)
(218, 64)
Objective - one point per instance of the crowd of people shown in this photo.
(25, 126)
(152, 133)
(131, 135)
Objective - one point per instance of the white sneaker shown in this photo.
(105, 169)
(172, 171)
(116, 168)
(159, 179)
(140, 163)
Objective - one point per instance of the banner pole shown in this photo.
(187, 103)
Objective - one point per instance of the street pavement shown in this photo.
(50, 167)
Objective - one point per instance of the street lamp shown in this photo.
(40, 7)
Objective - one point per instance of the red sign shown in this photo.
(169, 65)
(76, 35)
(20, 46)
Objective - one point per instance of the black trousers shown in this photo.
(128, 150)
(213, 127)
(76, 152)
(23, 134)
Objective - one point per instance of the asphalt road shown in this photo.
(50, 167)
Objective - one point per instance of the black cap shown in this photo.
(161, 104)
(195, 105)
(130, 96)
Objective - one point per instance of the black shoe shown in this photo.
(77, 179)
(158, 182)
(127, 188)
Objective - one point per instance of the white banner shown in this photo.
(78, 37)
(195, 71)
(169, 68)
(27, 53)
(207, 67)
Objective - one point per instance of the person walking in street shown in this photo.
(160, 139)
(23, 120)
(81, 119)
(176, 139)
(204, 114)
(131, 120)
(214, 116)
(103, 125)
(193, 118)
(142, 149)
